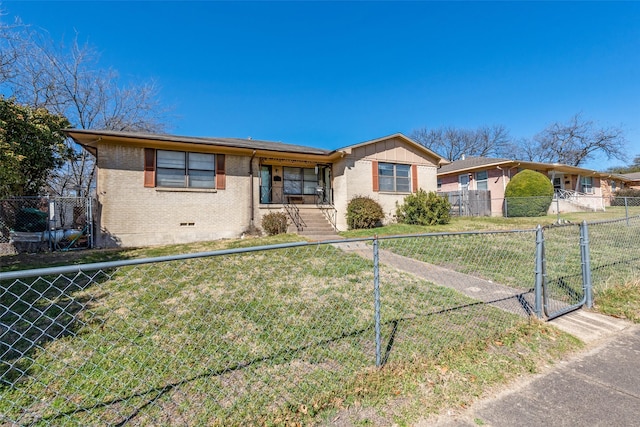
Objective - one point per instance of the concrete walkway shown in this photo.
(514, 300)
(582, 324)
(597, 387)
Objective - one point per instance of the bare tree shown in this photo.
(634, 166)
(575, 142)
(68, 80)
(453, 143)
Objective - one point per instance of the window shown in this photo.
(463, 182)
(180, 169)
(439, 184)
(482, 180)
(394, 177)
(587, 184)
(300, 181)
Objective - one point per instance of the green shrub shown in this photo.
(275, 223)
(363, 212)
(528, 194)
(424, 208)
(618, 197)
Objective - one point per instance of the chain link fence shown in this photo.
(615, 252)
(267, 335)
(32, 224)
(480, 203)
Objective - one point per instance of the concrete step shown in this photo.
(318, 227)
(312, 230)
(315, 225)
(589, 326)
(321, 237)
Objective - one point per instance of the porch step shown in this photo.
(315, 225)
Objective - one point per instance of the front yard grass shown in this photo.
(284, 336)
(621, 301)
(273, 337)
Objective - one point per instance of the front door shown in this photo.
(327, 185)
(558, 184)
(265, 184)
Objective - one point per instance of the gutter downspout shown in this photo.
(504, 183)
(251, 222)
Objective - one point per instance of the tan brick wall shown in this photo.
(132, 215)
(353, 176)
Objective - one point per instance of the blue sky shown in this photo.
(330, 74)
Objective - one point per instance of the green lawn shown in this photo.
(622, 301)
(256, 338)
(285, 336)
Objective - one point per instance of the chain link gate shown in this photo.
(563, 261)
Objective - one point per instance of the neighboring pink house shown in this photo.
(575, 188)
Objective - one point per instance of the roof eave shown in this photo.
(89, 140)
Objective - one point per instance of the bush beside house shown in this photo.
(528, 194)
(422, 208)
(364, 212)
(275, 223)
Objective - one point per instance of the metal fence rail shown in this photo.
(248, 336)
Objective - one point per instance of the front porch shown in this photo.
(296, 182)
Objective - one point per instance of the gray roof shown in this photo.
(471, 162)
(226, 142)
(634, 176)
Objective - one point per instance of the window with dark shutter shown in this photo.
(414, 178)
(374, 175)
(149, 167)
(221, 177)
(180, 169)
(395, 178)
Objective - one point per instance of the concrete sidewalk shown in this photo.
(598, 387)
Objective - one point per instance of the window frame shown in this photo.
(394, 177)
(188, 171)
(586, 188)
(185, 167)
(307, 187)
(482, 181)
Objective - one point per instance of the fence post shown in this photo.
(376, 297)
(506, 208)
(586, 264)
(558, 207)
(89, 224)
(539, 276)
(51, 222)
(626, 210)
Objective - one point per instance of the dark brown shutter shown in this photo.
(374, 175)
(221, 177)
(414, 178)
(149, 167)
